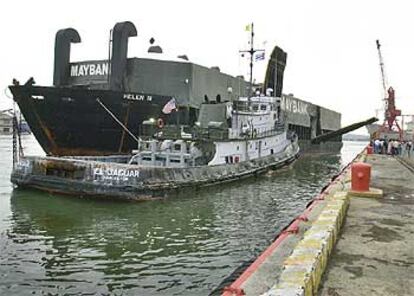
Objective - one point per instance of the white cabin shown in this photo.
(256, 131)
(228, 133)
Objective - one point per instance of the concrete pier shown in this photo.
(375, 252)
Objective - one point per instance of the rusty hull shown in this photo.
(85, 177)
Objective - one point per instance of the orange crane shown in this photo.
(390, 111)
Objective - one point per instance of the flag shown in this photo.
(169, 107)
(260, 56)
(248, 28)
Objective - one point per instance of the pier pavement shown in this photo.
(375, 251)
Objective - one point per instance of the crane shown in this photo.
(390, 111)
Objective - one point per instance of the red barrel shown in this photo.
(369, 149)
(361, 176)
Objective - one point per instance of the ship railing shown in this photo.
(122, 158)
(212, 134)
(272, 132)
(218, 134)
(277, 130)
(195, 133)
(163, 159)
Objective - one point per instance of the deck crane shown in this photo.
(390, 111)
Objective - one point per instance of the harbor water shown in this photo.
(182, 245)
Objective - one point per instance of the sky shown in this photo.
(332, 56)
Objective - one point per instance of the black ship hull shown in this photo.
(70, 121)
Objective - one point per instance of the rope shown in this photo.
(117, 120)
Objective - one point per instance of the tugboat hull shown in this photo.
(104, 177)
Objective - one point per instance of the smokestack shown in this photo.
(63, 40)
(275, 71)
(120, 34)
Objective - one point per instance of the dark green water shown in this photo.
(184, 245)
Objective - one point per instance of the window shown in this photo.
(271, 151)
(177, 147)
(240, 106)
(263, 107)
(255, 107)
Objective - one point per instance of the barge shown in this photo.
(67, 120)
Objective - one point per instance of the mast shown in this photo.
(251, 60)
(251, 51)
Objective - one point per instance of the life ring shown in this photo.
(160, 123)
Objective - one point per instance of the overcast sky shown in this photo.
(332, 57)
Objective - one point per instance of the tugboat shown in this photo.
(230, 141)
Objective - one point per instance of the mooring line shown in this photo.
(117, 120)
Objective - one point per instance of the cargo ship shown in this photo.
(67, 118)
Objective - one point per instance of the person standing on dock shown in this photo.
(385, 146)
(408, 147)
(377, 144)
(390, 147)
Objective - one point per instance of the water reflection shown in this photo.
(183, 245)
(116, 240)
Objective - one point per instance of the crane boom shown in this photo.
(384, 78)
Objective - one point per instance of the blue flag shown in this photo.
(260, 56)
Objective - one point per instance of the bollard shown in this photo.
(370, 149)
(361, 176)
